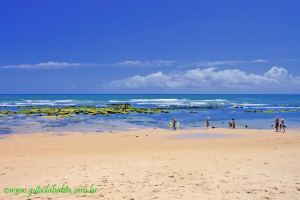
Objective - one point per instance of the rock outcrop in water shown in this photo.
(87, 110)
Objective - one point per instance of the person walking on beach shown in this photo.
(230, 124)
(277, 124)
(207, 122)
(174, 122)
(282, 125)
(233, 123)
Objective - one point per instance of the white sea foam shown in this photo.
(161, 102)
(48, 101)
(279, 107)
(156, 100)
(117, 101)
(214, 100)
(249, 104)
(7, 105)
(173, 102)
(198, 103)
(30, 102)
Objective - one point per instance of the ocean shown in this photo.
(254, 110)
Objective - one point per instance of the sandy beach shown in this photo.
(155, 164)
(149, 100)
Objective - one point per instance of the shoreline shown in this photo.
(155, 129)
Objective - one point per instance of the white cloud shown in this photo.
(157, 79)
(259, 61)
(277, 74)
(129, 63)
(229, 62)
(62, 65)
(46, 65)
(146, 63)
(167, 63)
(213, 78)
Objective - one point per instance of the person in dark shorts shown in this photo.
(277, 124)
(282, 125)
(233, 123)
(174, 122)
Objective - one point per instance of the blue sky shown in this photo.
(149, 46)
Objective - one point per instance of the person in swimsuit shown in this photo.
(174, 122)
(230, 124)
(282, 125)
(233, 123)
(207, 122)
(277, 124)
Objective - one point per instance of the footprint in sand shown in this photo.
(267, 197)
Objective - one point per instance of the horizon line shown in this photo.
(149, 93)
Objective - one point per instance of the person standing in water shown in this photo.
(282, 125)
(207, 122)
(277, 124)
(230, 124)
(174, 122)
(233, 123)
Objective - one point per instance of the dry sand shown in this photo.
(249, 164)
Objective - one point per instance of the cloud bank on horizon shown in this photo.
(214, 79)
(54, 65)
(46, 65)
(173, 76)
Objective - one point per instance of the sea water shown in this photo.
(190, 110)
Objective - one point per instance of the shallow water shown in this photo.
(5, 130)
(190, 110)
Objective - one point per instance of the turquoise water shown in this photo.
(189, 110)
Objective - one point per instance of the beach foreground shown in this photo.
(155, 164)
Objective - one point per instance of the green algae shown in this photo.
(71, 111)
(7, 112)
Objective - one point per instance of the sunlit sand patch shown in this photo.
(201, 136)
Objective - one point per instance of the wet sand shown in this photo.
(155, 164)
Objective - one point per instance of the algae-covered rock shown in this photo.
(7, 112)
(54, 112)
(57, 116)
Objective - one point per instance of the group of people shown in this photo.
(231, 123)
(279, 125)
